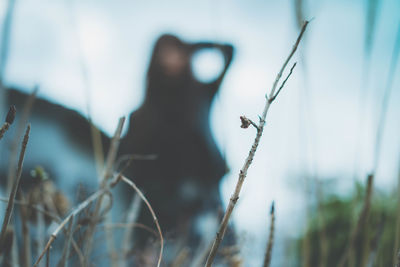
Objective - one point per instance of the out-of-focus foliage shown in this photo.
(374, 243)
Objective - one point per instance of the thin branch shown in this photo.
(19, 132)
(54, 217)
(26, 239)
(48, 258)
(14, 188)
(268, 253)
(112, 153)
(65, 254)
(133, 214)
(73, 213)
(243, 172)
(283, 83)
(41, 233)
(132, 184)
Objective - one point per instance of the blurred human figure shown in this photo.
(173, 124)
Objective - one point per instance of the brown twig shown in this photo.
(132, 184)
(54, 217)
(112, 153)
(362, 221)
(385, 101)
(73, 213)
(9, 259)
(19, 132)
(132, 217)
(26, 240)
(268, 253)
(40, 229)
(48, 258)
(65, 254)
(14, 188)
(243, 172)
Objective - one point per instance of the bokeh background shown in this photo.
(92, 56)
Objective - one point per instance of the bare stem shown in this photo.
(65, 254)
(14, 188)
(132, 184)
(268, 253)
(73, 214)
(19, 132)
(133, 214)
(106, 175)
(243, 172)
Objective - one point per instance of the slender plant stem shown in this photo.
(106, 175)
(243, 172)
(132, 184)
(19, 132)
(65, 254)
(73, 214)
(133, 214)
(268, 253)
(14, 188)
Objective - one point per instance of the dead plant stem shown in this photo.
(243, 172)
(14, 188)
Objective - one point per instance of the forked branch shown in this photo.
(243, 172)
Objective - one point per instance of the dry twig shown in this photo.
(132, 184)
(14, 188)
(26, 239)
(268, 253)
(73, 213)
(132, 217)
(19, 132)
(112, 153)
(65, 254)
(243, 172)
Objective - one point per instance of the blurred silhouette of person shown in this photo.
(173, 124)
